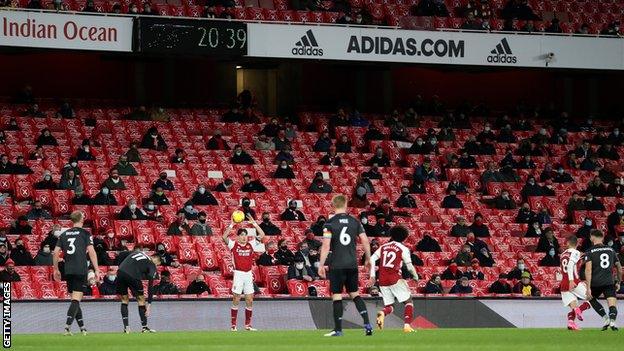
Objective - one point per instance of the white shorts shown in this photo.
(242, 283)
(399, 290)
(579, 292)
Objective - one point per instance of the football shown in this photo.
(238, 216)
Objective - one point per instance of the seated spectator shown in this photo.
(310, 239)
(20, 166)
(452, 272)
(615, 219)
(474, 272)
(50, 239)
(9, 274)
(165, 286)
(166, 259)
(425, 172)
(190, 212)
(452, 201)
(217, 142)
(47, 183)
(547, 241)
(44, 257)
(180, 225)
(500, 286)
(405, 200)
(198, 286)
(534, 230)
(201, 227)
(470, 23)
(20, 226)
(179, 156)
(591, 163)
(428, 244)
(319, 185)
(551, 259)
(158, 197)
(267, 258)
(269, 227)
(203, 197)
(479, 250)
(504, 201)
(271, 129)
(109, 284)
(225, 186)
(596, 187)
(133, 153)
(419, 147)
(592, 204)
(380, 159)
(281, 141)
(583, 233)
(84, 151)
(434, 285)
(467, 161)
(461, 287)
(479, 229)
(114, 181)
(518, 271)
(464, 256)
(153, 140)
(90, 7)
(608, 152)
(252, 186)
(531, 188)
(37, 154)
(4, 255)
(284, 171)
(246, 208)
(69, 181)
(418, 187)
(525, 215)
(613, 29)
(331, 158)
(343, 144)
(459, 187)
(163, 182)
(283, 255)
(151, 210)
(373, 133)
(132, 212)
(147, 10)
(233, 115)
(525, 287)
(104, 197)
(298, 270)
(20, 255)
(372, 173)
(518, 9)
(263, 143)
(46, 138)
(616, 188)
(65, 111)
(317, 227)
(241, 157)
(80, 198)
(285, 155)
(323, 143)
(125, 168)
(292, 213)
(460, 228)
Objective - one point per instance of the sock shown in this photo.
(143, 316)
(585, 306)
(612, 313)
(387, 310)
(234, 314)
(79, 318)
(408, 315)
(338, 315)
(248, 313)
(598, 307)
(571, 316)
(71, 312)
(361, 307)
(124, 314)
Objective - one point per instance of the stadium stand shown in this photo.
(110, 135)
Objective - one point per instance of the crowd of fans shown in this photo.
(595, 154)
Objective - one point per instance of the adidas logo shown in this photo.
(502, 53)
(307, 46)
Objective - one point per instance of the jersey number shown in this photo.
(604, 261)
(388, 259)
(345, 239)
(72, 247)
(564, 263)
(140, 256)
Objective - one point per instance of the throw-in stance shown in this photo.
(243, 252)
(572, 288)
(340, 233)
(75, 243)
(393, 256)
(136, 267)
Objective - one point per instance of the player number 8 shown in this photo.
(345, 239)
(604, 260)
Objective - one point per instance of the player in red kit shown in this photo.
(393, 255)
(243, 254)
(572, 288)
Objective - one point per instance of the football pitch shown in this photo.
(430, 339)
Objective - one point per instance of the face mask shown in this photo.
(111, 235)
(419, 143)
(105, 191)
(292, 208)
(86, 148)
(616, 132)
(111, 278)
(74, 164)
(521, 266)
(620, 211)
(299, 265)
(560, 171)
(487, 129)
(284, 166)
(132, 207)
(551, 253)
(305, 251)
(364, 220)
(161, 249)
(56, 233)
(150, 207)
(588, 223)
(238, 153)
(610, 243)
(47, 178)
(202, 190)
(46, 250)
(531, 182)
(188, 208)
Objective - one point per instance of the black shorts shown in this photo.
(340, 278)
(76, 282)
(125, 282)
(607, 290)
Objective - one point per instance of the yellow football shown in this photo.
(238, 216)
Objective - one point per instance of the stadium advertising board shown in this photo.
(186, 36)
(65, 31)
(433, 47)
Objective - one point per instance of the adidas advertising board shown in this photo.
(320, 42)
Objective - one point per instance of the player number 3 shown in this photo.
(72, 247)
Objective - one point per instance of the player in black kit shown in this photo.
(136, 267)
(599, 263)
(75, 243)
(340, 233)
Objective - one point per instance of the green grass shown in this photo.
(431, 339)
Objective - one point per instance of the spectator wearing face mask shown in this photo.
(344, 144)
(51, 238)
(69, 181)
(319, 185)
(269, 227)
(531, 188)
(292, 213)
(518, 271)
(379, 158)
(309, 256)
(596, 187)
(104, 197)
(201, 227)
(153, 140)
(452, 201)
(198, 286)
(526, 287)
(504, 201)
(592, 204)
(547, 241)
(283, 255)
(452, 272)
(4, 254)
(124, 167)
(381, 227)
(84, 151)
(500, 286)
(47, 183)
(20, 226)
(616, 218)
(217, 142)
(44, 257)
(114, 181)
(534, 230)
(551, 259)
(284, 171)
(479, 229)
(100, 247)
(151, 209)
(583, 233)
(543, 217)
(331, 158)
(132, 212)
(298, 270)
(285, 155)
(434, 285)
(369, 229)
(479, 250)
(460, 228)
(190, 212)
(38, 212)
(359, 198)
(80, 198)
(252, 186)
(474, 272)
(9, 274)
(459, 187)
(240, 157)
(46, 138)
(310, 239)
(165, 286)
(6, 167)
(464, 256)
(561, 176)
(323, 143)
(225, 186)
(166, 259)
(263, 143)
(163, 182)
(267, 258)
(158, 197)
(203, 197)
(133, 153)
(616, 188)
(425, 172)
(109, 284)
(20, 166)
(405, 200)
(20, 255)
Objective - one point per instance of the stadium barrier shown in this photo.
(299, 314)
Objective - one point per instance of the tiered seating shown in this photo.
(190, 129)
